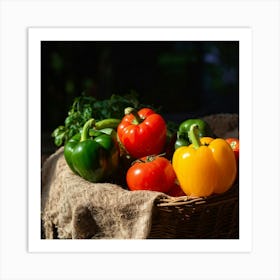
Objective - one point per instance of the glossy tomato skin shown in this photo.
(145, 138)
(155, 174)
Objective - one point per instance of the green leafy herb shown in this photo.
(86, 107)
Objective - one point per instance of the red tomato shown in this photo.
(151, 173)
(234, 143)
(142, 133)
(176, 191)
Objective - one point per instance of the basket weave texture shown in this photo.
(215, 217)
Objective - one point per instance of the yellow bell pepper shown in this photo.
(205, 167)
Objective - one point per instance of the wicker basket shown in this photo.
(215, 217)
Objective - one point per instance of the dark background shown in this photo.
(185, 79)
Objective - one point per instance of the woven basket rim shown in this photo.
(168, 201)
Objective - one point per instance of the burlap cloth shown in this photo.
(72, 208)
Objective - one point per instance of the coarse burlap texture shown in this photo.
(80, 209)
(73, 208)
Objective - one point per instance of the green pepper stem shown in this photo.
(193, 136)
(85, 132)
(133, 111)
(107, 123)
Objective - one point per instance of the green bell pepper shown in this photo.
(94, 154)
(184, 128)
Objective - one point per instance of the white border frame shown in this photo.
(262, 16)
(36, 35)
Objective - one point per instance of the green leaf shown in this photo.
(85, 107)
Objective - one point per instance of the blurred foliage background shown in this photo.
(185, 79)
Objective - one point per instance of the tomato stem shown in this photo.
(233, 144)
(161, 155)
(148, 158)
(194, 136)
(138, 161)
(133, 111)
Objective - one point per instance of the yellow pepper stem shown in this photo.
(194, 136)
